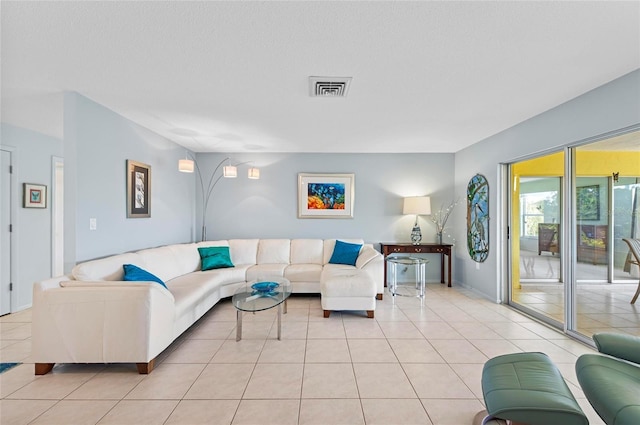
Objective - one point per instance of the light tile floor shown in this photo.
(601, 307)
(409, 365)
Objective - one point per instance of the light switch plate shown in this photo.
(93, 223)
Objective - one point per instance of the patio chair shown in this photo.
(634, 246)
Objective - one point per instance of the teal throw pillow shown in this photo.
(215, 257)
(345, 253)
(136, 274)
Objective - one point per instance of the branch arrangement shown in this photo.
(441, 216)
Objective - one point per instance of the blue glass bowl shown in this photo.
(264, 287)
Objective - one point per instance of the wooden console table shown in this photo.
(423, 248)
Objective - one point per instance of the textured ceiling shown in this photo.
(233, 76)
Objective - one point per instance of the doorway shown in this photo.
(6, 209)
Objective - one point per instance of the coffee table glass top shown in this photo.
(262, 294)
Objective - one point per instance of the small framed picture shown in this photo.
(325, 195)
(138, 189)
(35, 195)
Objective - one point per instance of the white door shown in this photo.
(5, 246)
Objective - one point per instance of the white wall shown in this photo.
(97, 143)
(267, 208)
(32, 227)
(611, 107)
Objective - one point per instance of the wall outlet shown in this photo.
(93, 223)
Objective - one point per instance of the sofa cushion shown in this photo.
(189, 289)
(215, 257)
(307, 251)
(330, 243)
(133, 273)
(161, 261)
(303, 272)
(244, 251)
(204, 244)
(347, 283)
(345, 253)
(265, 271)
(109, 268)
(188, 255)
(273, 251)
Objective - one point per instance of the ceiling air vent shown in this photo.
(329, 86)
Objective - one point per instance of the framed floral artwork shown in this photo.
(138, 189)
(34, 195)
(325, 195)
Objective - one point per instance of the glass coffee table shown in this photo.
(261, 295)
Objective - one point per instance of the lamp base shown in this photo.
(416, 235)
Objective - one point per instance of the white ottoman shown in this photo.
(347, 289)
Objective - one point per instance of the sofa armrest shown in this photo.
(372, 262)
(367, 254)
(626, 347)
(100, 322)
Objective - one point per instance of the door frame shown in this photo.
(13, 218)
(55, 161)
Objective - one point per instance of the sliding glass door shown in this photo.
(535, 230)
(569, 265)
(606, 187)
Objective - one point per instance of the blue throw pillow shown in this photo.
(136, 274)
(345, 253)
(215, 257)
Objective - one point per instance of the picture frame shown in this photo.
(138, 189)
(326, 195)
(34, 195)
(588, 203)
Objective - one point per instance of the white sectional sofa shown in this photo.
(93, 316)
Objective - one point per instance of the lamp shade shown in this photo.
(418, 205)
(254, 173)
(185, 166)
(230, 171)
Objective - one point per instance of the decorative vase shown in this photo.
(416, 235)
(439, 237)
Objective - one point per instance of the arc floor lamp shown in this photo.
(189, 165)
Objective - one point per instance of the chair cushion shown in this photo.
(528, 388)
(612, 387)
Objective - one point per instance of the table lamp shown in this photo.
(418, 205)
